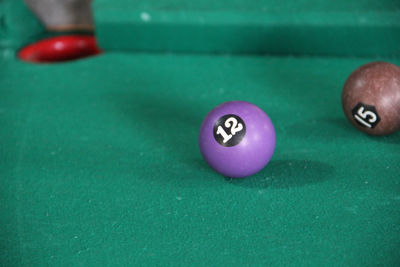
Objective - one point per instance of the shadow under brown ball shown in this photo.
(371, 98)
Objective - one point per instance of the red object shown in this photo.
(61, 48)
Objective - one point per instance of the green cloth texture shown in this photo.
(99, 160)
(18, 25)
(296, 27)
(100, 166)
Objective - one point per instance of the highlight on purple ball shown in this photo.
(237, 139)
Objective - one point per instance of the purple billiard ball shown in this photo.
(237, 139)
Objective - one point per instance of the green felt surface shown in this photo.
(99, 166)
(256, 5)
(307, 27)
(18, 25)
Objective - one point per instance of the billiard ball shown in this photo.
(237, 139)
(371, 98)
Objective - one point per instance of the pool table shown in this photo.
(99, 157)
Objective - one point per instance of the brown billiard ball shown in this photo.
(371, 98)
